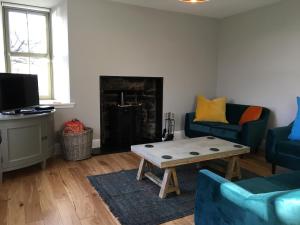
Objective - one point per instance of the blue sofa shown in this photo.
(250, 134)
(282, 151)
(272, 200)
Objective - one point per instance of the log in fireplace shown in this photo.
(130, 111)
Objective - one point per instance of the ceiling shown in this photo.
(213, 8)
(39, 3)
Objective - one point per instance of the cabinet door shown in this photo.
(48, 136)
(22, 143)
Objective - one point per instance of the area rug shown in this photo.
(137, 203)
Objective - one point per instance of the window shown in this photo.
(28, 45)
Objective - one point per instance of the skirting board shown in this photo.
(96, 142)
(179, 135)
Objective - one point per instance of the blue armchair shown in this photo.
(280, 150)
(261, 201)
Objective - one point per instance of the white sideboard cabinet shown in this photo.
(25, 140)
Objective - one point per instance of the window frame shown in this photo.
(47, 55)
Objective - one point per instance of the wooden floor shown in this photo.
(61, 194)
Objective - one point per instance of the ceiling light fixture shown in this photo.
(194, 1)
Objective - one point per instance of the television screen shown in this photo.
(18, 91)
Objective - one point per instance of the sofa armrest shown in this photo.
(273, 137)
(189, 118)
(253, 133)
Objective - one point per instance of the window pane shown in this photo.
(37, 27)
(40, 67)
(18, 32)
(28, 35)
(19, 64)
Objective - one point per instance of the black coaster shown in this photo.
(238, 146)
(214, 149)
(194, 153)
(211, 138)
(167, 157)
(149, 146)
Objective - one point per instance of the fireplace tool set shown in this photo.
(168, 132)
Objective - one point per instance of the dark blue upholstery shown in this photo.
(250, 134)
(282, 151)
(258, 201)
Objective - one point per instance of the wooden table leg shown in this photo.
(238, 168)
(169, 183)
(141, 170)
(175, 181)
(233, 168)
(165, 183)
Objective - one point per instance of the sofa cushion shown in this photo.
(225, 133)
(200, 127)
(260, 185)
(222, 130)
(289, 148)
(280, 182)
(295, 134)
(252, 113)
(290, 180)
(234, 112)
(230, 127)
(211, 110)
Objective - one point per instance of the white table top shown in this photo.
(180, 151)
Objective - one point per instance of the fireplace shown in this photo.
(130, 111)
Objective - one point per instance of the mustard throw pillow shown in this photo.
(211, 110)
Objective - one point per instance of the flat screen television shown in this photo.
(18, 91)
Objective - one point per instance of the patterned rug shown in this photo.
(137, 203)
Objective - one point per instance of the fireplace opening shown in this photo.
(130, 111)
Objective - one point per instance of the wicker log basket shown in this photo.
(77, 146)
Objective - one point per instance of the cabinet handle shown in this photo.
(44, 138)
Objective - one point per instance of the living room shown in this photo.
(185, 53)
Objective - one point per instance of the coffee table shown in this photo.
(171, 154)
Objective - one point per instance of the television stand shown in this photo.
(11, 113)
(26, 140)
(33, 111)
(27, 111)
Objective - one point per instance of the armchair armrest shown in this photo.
(219, 201)
(280, 207)
(208, 188)
(287, 206)
(257, 204)
(273, 137)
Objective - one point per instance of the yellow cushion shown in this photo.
(211, 110)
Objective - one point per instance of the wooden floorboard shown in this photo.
(61, 194)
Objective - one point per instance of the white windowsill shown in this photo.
(58, 104)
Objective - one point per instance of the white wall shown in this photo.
(2, 48)
(60, 52)
(259, 59)
(107, 38)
